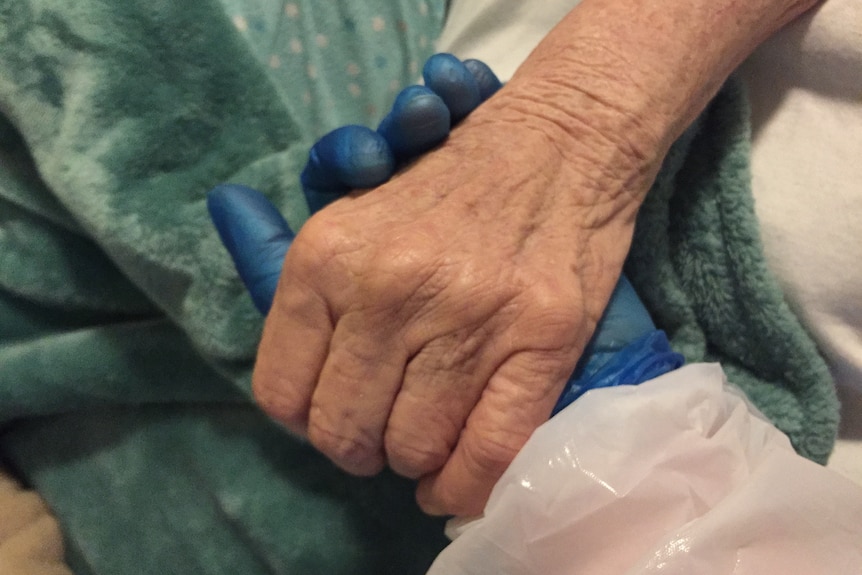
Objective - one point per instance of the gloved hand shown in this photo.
(356, 157)
(348, 158)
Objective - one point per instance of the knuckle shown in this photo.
(394, 275)
(354, 452)
(321, 240)
(380, 270)
(492, 454)
(557, 316)
(397, 261)
(276, 400)
(452, 357)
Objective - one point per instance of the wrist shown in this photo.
(640, 71)
(611, 153)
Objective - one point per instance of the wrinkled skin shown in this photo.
(431, 323)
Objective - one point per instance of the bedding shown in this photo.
(127, 339)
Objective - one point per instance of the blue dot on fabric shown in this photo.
(349, 25)
(381, 61)
(258, 24)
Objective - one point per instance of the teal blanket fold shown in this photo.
(697, 262)
(126, 339)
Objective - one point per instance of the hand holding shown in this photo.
(482, 354)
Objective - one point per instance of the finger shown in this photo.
(450, 79)
(519, 398)
(256, 236)
(441, 387)
(357, 387)
(291, 354)
(418, 122)
(348, 158)
(487, 81)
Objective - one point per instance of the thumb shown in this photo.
(256, 236)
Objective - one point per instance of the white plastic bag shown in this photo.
(678, 475)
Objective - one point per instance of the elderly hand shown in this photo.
(424, 329)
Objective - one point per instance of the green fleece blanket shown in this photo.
(126, 339)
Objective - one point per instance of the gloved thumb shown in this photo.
(256, 236)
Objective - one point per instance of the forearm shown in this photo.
(637, 72)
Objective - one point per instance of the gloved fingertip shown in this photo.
(487, 81)
(348, 158)
(450, 79)
(418, 122)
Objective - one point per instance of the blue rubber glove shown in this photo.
(626, 349)
(461, 85)
(356, 157)
(255, 234)
(348, 158)
(422, 116)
